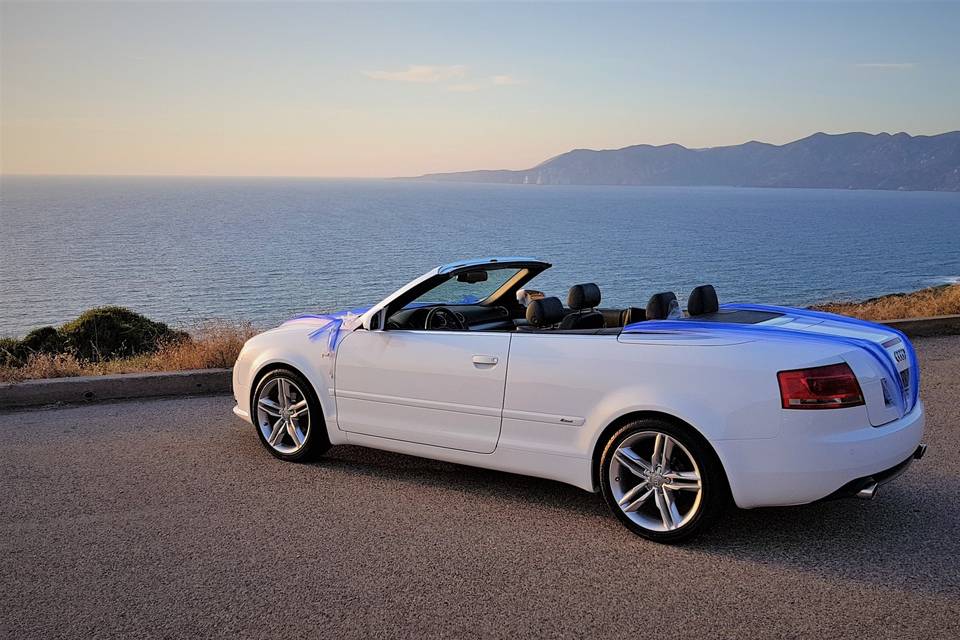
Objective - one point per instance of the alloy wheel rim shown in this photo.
(655, 481)
(283, 415)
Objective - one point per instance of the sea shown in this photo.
(261, 250)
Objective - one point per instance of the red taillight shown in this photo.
(831, 387)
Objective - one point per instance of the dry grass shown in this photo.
(217, 344)
(935, 301)
(211, 345)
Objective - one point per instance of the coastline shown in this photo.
(938, 300)
(929, 311)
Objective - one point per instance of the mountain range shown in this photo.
(824, 161)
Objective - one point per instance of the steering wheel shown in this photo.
(443, 319)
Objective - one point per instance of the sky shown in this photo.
(258, 89)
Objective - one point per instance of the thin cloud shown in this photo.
(886, 66)
(455, 77)
(504, 80)
(420, 73)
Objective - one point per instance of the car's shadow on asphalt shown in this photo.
(905, 538)
(424, 472)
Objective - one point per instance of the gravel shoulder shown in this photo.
(166, 518)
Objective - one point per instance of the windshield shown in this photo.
(457, 291)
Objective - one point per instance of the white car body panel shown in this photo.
(440, 388)
(539, 404)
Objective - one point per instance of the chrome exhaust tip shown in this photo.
(920, 451)
(868, 491)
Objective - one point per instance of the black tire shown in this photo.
(713, 491)
(316, 441)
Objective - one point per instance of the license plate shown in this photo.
(905, 378)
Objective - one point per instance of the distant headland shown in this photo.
(821, 161)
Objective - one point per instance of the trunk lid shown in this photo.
(882, 406)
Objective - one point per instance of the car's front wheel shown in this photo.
(288, 416)
(662, 482)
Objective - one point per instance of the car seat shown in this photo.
(583, 299)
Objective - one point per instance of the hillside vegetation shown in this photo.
(936, 301)
(115, 340)
(821, 161)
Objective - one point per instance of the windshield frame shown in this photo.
(426, 299)
(505, 296)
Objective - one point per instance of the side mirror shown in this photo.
(375, 322)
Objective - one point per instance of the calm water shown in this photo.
(183, 250)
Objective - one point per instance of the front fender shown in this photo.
(290, 349)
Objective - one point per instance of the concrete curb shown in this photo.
(933, 326)
(32, 393)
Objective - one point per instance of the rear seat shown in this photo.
(703, 300)
(622, 317)
(704, 306)
(660, 304)
(583, 300)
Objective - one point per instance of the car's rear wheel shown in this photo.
(288, 417)
(661, 481)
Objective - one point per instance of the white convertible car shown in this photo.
(668, 414)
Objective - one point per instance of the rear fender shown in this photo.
(713, 420)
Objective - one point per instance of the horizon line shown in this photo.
(402, 177)
(189, 175)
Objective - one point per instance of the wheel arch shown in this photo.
(274, 365)
(648, 414)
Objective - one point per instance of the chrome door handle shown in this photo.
(489, 360)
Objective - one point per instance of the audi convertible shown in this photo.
(671, 414)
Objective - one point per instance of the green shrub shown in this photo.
(43, 340)
(10, 353)
(100, 334)
(105, 333)
(15, 353)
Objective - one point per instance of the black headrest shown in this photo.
(659, 306)
(703, 300)
(545, 312)
(583, 296)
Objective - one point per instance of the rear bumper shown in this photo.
(801, 466)
(866, 488)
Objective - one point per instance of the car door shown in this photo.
(440, 388)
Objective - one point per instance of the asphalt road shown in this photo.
(167, 519)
